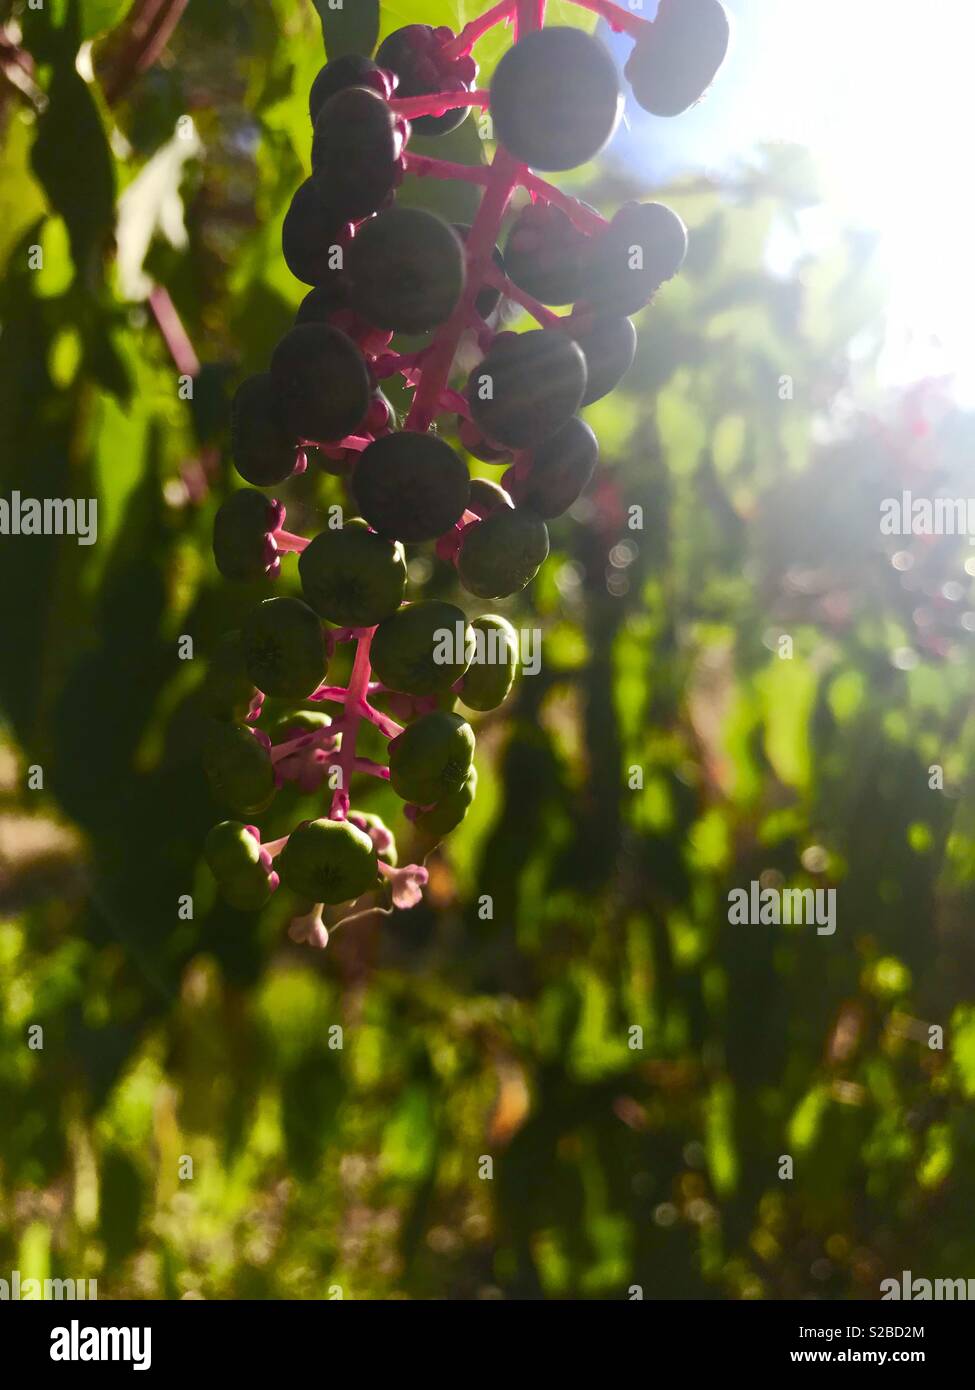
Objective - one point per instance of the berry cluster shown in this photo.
(375, 269)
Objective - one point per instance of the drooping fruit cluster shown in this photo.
(375, 268)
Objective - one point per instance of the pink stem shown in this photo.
(274, 847)
(287, 540)
(373, 768)
(436, 103)
(538, 311)
(505, 172)
(335, 693)
(583, 218)
(460, 46)
(174, 334)
(619, 20)
(424, 166)
(355, 707)
(307, 740)
(386, 726)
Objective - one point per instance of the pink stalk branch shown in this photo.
(584, 218)
(504, 175)
(436, 103)
(287, 540)
(174, 334)
(460, 46)
(425, 166)
(538, 311)
(355, 707)
(619, 20)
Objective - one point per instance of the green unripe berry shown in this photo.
(448, 813)
(353, 577)
(284, 648)
(238, 768)
(422, 648)
(228, 690)
(302, 721)
(328, 861)
(240, 532)
(234, 857)
(491, 674)
(431, 758)
(502, 554)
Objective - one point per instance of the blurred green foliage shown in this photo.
(634, 1066)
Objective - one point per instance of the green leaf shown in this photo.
(99, 15)
(71, 159)
(348, 26)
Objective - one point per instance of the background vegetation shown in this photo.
(752, 437)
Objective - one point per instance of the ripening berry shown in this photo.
(321, 381)
(406, 270)
(353, 577)
(284, 648)
(475, 443)
(238, 768)
(413, 55)
(234, 858)
(297, 722)
(502, 554)
(676, 58)
(431, 758)
(350, 70)
(312, 227)
(355, 152)
(643, 246)
(544, 254)
(560, 469)
(328, 861)
(526, 386)
(491, 674)
(262, 449)
(320, 304)
(486, 497)
(555, 98)
(438, 821)
(608, 344)
(422, 648)
(411, 486)
(228, 690)
(241, 529)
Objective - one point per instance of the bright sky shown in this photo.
(883, 92)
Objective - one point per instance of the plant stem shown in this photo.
(461, 45)
(425, 166)
(436, 103)
(619, 20)
(584, 218)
